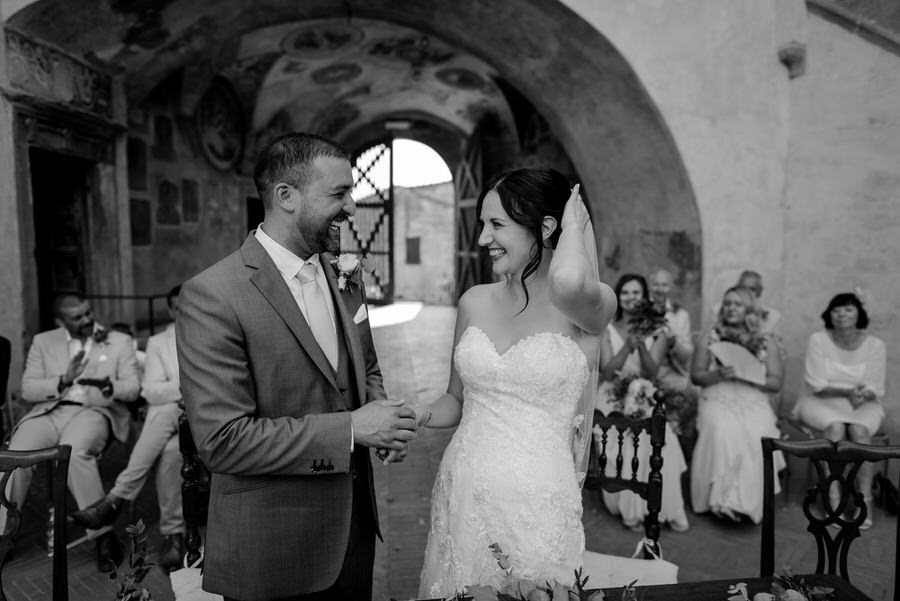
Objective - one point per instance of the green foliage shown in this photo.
(140, 562)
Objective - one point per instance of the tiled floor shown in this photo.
(414, 357)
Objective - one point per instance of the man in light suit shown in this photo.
(675, 369)
(157, 444)
(284, 394)
(78, 377)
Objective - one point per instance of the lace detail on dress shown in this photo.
(508, 474)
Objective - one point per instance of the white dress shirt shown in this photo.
(289, 265)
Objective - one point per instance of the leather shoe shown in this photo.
(109, 552)
(172, 552)
(102, 513)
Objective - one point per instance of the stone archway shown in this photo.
(589, 95)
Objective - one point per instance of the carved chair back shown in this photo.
(835, 463)
(10, 461)
(609, 473)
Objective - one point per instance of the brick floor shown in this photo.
(415, 360)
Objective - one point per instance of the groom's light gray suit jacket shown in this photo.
(270, 418)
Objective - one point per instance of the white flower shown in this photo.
(347, 263)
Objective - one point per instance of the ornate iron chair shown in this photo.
(619, 480)
(13, 460)
(834, 463)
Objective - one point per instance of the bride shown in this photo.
(526, 348)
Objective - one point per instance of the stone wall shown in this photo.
(842, 200)
(428, 214)
(794, 177)
(185, 213)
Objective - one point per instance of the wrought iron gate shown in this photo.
(371, 231)
(471, 263)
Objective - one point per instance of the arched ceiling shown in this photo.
(589, 95)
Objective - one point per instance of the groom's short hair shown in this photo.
(289, 158)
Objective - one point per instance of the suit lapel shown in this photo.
(270, 283)
(351, 337)
(60, 350)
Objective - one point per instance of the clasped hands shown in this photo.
(388, 426)
(859, 395)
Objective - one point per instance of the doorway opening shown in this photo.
(60, 187)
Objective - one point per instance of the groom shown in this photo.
(281, 386)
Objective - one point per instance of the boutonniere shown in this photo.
(348, 265)
(100, 335)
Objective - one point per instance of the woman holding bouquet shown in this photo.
(845, 377)
(733, 414)
(633, 346)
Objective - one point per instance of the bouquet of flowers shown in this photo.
(525, 590)
(755, 342)
(681, 410)
(633, 396)
(786, 587)
(649, 319)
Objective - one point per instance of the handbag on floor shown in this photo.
(187, 582)
(606, 571)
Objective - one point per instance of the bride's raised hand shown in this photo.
(575, 215)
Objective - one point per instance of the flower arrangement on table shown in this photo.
(525, 590)
(755, 342)
(785, 587)
(649, 319)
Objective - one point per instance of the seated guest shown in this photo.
(769, 319)
(733, 414)
(675, 367)
(124, 328)
(78, 378)
(624, 354)
(845, 376)
(158, 441)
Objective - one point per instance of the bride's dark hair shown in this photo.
(527, 196)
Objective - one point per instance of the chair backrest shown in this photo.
(626, 433)
(13, 460)
(190, 489)
(834, 462)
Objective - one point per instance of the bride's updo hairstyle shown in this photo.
(527, 196)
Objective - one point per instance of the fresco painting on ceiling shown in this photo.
(464, 79)
(320, 40)
(335, 118)
(338, 73)
(418, 51)
(221, 125)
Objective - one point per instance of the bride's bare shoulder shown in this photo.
(478, 295)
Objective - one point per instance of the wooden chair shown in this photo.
(651, 490)
(12, 460)
(793, 429)
(194, 499)
(833, 462)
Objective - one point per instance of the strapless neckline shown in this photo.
(521, 340)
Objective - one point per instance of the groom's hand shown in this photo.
(385, 424)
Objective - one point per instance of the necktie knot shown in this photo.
(307, 273)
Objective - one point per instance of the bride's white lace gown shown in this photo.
(508, 476)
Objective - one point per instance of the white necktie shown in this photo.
(317, 312)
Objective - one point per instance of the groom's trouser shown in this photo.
(355, 579)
